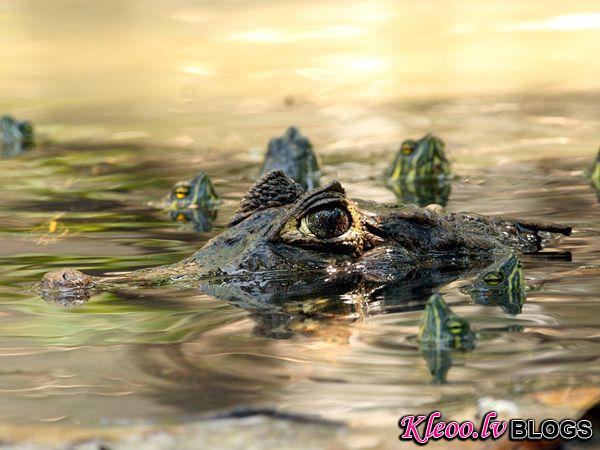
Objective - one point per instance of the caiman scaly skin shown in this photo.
(420, 172)
(283, 240)
(15, 136)
(293, 154)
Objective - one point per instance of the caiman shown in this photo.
(285, 242)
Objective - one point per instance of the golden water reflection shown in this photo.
(172, 53)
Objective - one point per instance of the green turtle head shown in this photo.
(595, 178)
(194, 193)
(501, 284)
(441, 328)
(420, 160)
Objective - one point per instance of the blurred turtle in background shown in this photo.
(15, 136)
(420, 172)
(293, 154)
(193, 201)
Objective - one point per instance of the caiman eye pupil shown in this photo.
(328, 223)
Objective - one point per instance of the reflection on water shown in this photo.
(131, 98)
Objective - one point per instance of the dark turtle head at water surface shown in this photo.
(15, 136)
(294, 155)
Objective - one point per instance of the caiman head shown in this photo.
(282, 231)
(501, 284)
(283, 239)
(441, 328)
(422, 159)
(195, 193)
(293, 154)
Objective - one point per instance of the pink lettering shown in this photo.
(451, 429)
(485, 425)
(410, 428)
(498, 429)
(466, 430)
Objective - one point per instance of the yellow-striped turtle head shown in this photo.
(194, 193)
(420, 160)
(501, 284)
(442, 328)
(595, 177)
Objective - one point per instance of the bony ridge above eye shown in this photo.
(325, 220)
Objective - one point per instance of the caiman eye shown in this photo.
(181, 191)
(326, 223)
(407, 148)
(493, 278)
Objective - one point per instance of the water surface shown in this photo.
(147, 95)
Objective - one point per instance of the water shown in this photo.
(206, 87)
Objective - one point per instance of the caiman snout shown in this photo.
(68, 287)
(65, 279)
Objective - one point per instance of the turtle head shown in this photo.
(442, 328)
(194, 193)
(423, 159)
(502, 284)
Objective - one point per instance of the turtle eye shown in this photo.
(326, 223)
(493, 278)
(456, 327)
(181, 192)
(407, 148)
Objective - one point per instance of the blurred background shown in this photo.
(129, 97)
(180, 69)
